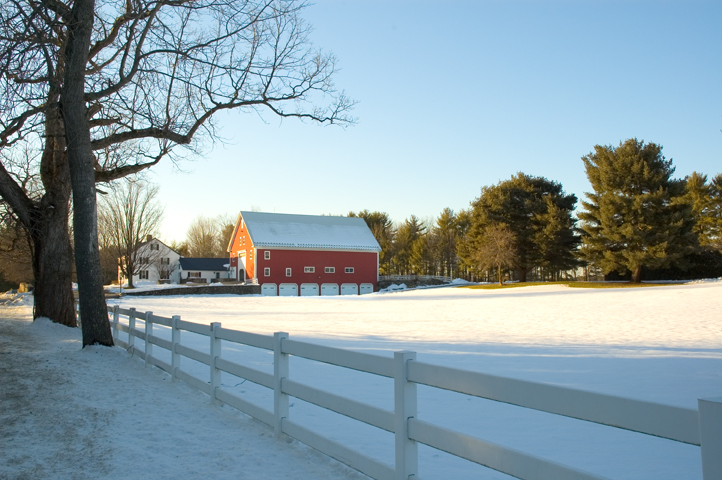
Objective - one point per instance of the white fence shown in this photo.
(701, 427)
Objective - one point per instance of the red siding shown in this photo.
(363, 263)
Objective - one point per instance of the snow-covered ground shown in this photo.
(96, 413)
(659, 344)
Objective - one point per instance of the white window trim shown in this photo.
(267, 255)
(266, 271)
(309, 269)
(329, 269)
(288, 272)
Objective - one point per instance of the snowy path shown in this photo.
(67, 413)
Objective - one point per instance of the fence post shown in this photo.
(215, 372)
(131, 327)
(175, 334)
(116, 319)
(280, 371)
(710, 436)
(407, 457)
(148, 333)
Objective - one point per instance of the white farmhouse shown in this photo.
(155, 261)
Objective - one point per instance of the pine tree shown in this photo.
(383, 231)
(406, 235)
(634, 218)
(465, 261)
(706, 201)
(538, 213)
(445, 234)
(422, 258)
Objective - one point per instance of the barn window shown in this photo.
(267, 272)
(267, 255)
(330, 270)
(288, 272)
(348, 270)
(309, 269)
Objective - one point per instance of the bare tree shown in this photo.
(496, 249)
(110, 89)
(226, 226)
(202, 238)
(126, 218)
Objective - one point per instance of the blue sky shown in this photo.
(457, 95)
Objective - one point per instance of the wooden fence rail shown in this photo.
(701, 427)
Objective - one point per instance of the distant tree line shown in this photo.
(638, 222)
(522, 226)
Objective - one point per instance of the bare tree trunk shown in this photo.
(637, 274)
(93, 310)
(52, 253)
(52, 262)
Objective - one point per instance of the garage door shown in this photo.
(269, 289)
(329, 289)
(309, 289)
(349, 289)
(366, 288)
(288, 290)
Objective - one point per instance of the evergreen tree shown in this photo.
(406, 235)
(464, 258)
(423, 259)
(445, 235)
(538, 213)
(383, 231)
(706, 201)
(635, 218)
(555, 236)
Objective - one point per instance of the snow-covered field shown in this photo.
(659, 344)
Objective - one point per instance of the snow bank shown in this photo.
(17, 299)
(393, 288)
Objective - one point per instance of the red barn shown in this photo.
(304, 254)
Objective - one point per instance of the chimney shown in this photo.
(148, 238)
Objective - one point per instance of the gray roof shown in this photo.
(204, 264)
(309, 231)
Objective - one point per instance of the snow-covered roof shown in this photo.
(309, 231)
